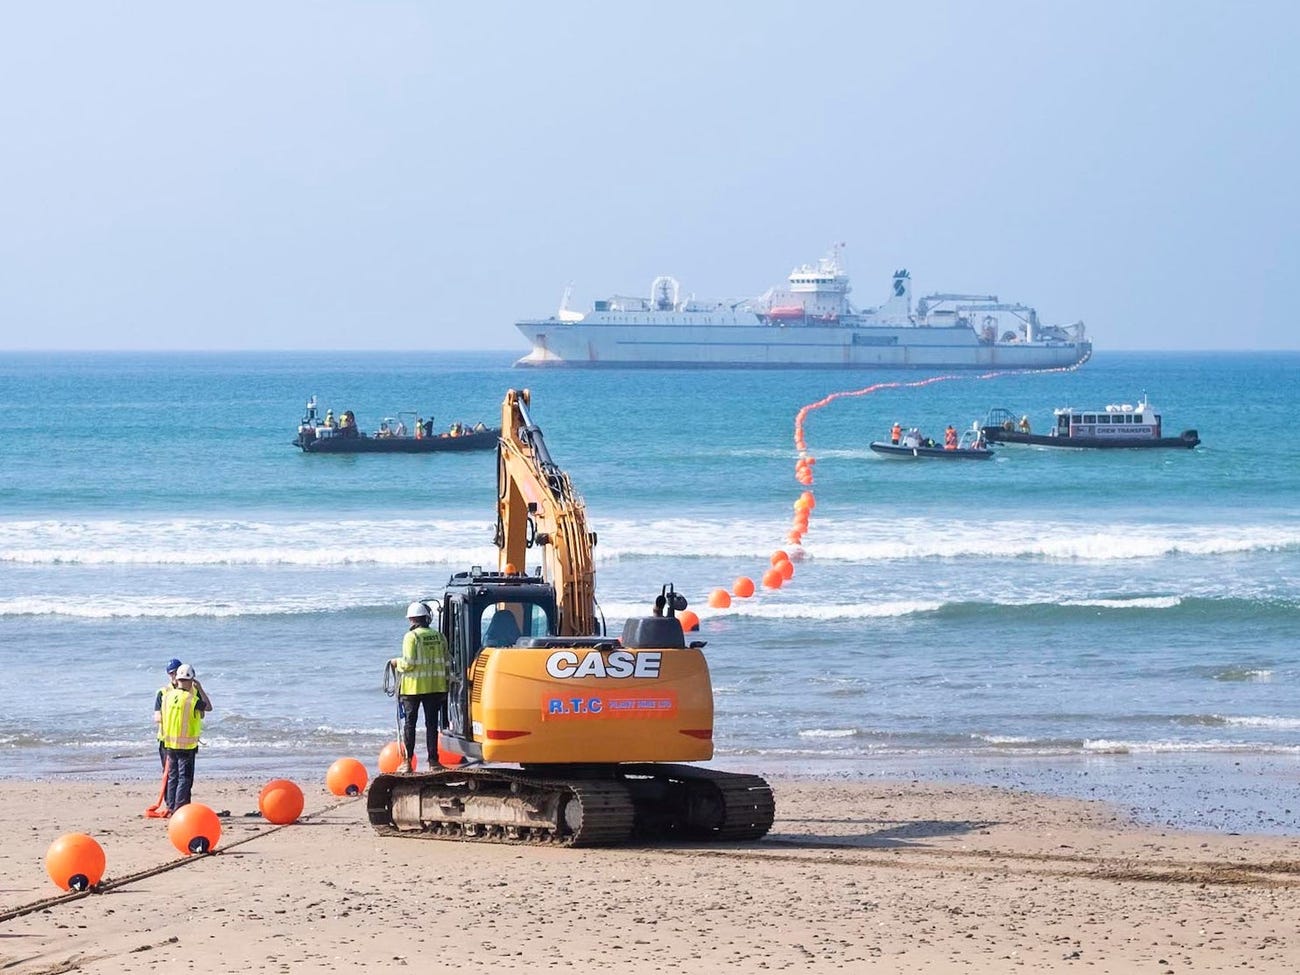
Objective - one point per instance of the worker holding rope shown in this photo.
(423, 669)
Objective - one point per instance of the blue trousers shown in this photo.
(180, 777)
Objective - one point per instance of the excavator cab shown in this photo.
(486, 609)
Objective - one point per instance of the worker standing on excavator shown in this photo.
(423, 668)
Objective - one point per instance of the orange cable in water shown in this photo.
(774, 578)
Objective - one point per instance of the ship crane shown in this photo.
(923, 306)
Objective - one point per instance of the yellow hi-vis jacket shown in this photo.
(424, 662)
(182, 721)
(162, 693)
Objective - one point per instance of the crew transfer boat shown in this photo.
(1117, 425)
(809, 323)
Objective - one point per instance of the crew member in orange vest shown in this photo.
(950, 438)
(896, 434)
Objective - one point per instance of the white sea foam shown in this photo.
(813, 611)
(153, 607)
(829, 733)
(1150, 602)
(196, 541)
(1108, 746)
(915, 539)
(1260, 721)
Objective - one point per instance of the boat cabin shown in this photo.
(1117, 421)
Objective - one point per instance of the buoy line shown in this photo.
(105, 886)
(782, 563)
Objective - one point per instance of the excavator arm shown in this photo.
(537, 507)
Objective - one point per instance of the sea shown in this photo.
(1121, 625)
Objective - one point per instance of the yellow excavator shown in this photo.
(567, 735)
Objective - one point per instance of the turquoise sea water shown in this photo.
(1121, 625)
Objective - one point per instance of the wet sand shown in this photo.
(901, 877)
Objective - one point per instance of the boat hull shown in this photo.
(476, 440)
(737, 344)
(1186, 440)
(939, 453)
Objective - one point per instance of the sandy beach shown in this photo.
(900, 877)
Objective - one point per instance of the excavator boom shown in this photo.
(537, 506)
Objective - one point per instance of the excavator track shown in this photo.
(606, 806)
(707, 804)
(501, 806)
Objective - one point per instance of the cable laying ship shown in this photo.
(810, 323)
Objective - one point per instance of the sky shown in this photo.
(385, 175)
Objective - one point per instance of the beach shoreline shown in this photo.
(1231, 792)
(899, 875)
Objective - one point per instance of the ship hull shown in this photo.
(443, 443)
(557, 344)
(1185, 441)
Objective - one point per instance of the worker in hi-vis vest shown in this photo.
(183, 707)
(172, 666)
(423, 669)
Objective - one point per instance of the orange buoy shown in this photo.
(779, 556)
(75, 861)
(772, 579)
(743, 587)
(194, 828)
(800, 525)
(801, 503)
(690, 622)
(808, 496)
(786, 568)
(510, 569)
(347, 777)
(273, 784)
(719, 599)
(281, 802)
(448, 759)
(392, 756)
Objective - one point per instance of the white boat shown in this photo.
(809, 323)
(1116, 425)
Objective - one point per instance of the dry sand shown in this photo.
(890, 877)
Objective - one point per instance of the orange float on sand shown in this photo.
(75, 861)
(392, 756)
(743, 587)
(719, 599)
(194, 828)
(347, 777)
(281, 802)
(690, 622)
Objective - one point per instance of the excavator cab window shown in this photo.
(503, 623)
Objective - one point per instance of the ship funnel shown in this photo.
(899, 305)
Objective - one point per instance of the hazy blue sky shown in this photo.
(391, 175)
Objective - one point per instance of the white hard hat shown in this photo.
(184, 672)
(417, 611)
